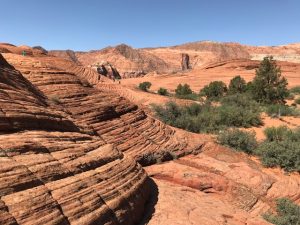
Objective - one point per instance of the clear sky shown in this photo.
(94, 24)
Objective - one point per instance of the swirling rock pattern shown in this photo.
(68, 147)
(54, 171)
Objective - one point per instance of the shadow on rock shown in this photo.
(150, 206)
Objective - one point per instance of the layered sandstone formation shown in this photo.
(129, 62)
(107, 70)
(68, 148)
(55, 171)
(132, 62)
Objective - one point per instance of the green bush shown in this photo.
(239, 110)
(185, 92)
(214, 90)
(285, 154)
(282, 133)
(268, 86)
(237, 85)
(278, 110)
(206, 117)
(239, 140)
(295, 90)
(281, 148)
(288, 213)
(276, 133)
(145, 86)
(162, 91)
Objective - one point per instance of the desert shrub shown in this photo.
(282, 133)
(281, 148)
(237, 85)
(268, 86)
(150, 158)
(55, 99)
(239, 140)
(295, 90)
(214, 90)
(144, 86)
(162, 91)
(277, 133)
(206, 117)
(249, 87)
(277, 110)
(285, 154)
(185, 92)
(297, 101)
(239, 110)
(288, 213)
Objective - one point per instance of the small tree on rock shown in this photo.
(145, 86)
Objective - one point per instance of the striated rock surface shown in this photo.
(67, 148)
(128, 61)
(54, 171)
(107, 70)
(218, 186)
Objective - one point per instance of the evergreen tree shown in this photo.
(237, 85)
(268, 85)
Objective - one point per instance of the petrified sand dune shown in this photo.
(54, 177)
(67, 147)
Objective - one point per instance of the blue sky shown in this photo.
(92, 24)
